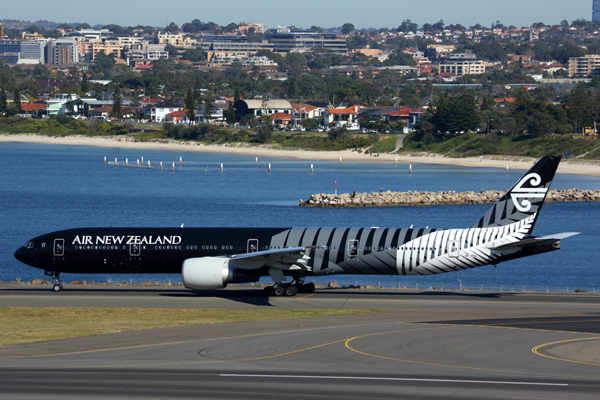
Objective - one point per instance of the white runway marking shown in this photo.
(392, 379)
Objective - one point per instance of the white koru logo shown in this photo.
(521, 195)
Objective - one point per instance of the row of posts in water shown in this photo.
(255, 163)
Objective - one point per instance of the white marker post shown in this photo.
(311, 168)
(340, 161)
(507, 170)
(173, 167)
(142, 161)
(221, 167)
(269, 167)
(161, 165)
(126, 163)
(256, 161)
(138, 163)
(180, 161)
(410, 168)
(148, 164)
(115, 162)
(104, 160)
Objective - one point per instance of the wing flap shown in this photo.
(294, 258)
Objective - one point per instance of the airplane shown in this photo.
(211, 258)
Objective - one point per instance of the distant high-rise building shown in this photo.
(596, 11)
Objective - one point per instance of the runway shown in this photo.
(428, 345)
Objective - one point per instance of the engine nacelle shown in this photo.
(211, 273)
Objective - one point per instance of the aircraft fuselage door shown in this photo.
(352, 248)
(134, 249)
(252, 245)
(454, 248)
(59, 247)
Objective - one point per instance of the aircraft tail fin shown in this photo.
(525, 198)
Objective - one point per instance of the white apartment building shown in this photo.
(460, 68)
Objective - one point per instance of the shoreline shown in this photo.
(573, 167)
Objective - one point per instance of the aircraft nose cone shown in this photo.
(20, 254)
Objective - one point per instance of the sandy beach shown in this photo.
(575, 167)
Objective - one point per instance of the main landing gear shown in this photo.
(289, 289)
(58, 287)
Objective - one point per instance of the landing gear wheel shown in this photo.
(290, 291)
(278, 291)
(309, 288)
(268, 291)
(58, 287)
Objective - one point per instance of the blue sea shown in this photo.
(48, 187)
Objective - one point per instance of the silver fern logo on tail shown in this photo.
(520, 195)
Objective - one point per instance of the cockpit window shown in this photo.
(28, 245)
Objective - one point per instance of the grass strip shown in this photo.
(37, 324)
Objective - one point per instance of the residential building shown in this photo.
(58, 104)
(107, 47)
(62, 51)
(174, 39)
(257, 61)
(177, 117)
(143, 54)
(158, 111)
(343, 117)
(258, 28)
(460, 68)
(218, 112)
(86, 106)
(584, 66)
(303, 111)
(595, 11)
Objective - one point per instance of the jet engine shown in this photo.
(211, 273)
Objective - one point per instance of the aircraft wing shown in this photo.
(534, 241)
(294, 258)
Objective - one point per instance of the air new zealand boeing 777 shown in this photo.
(210, 258)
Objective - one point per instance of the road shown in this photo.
(428, 345)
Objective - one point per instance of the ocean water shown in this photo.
(51, 187)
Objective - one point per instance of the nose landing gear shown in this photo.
(58, 287)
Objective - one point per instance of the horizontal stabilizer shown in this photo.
(535, 241)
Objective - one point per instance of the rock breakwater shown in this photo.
(385, 199)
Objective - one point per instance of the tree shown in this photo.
(236, 95)
(70, 107)
(207, 109)
(309, 124)
(231, 117)
(172, 51)
(172, 27)
(3, 102)
(85, 86)
(17, 99)
(194, 55)
(117, 112)
(347, 28)
(265, 131)
(540, 124)
(190, 105)
(292, 88)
